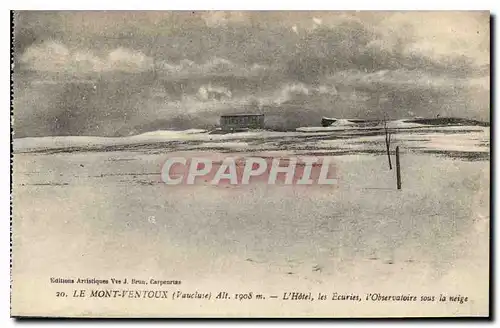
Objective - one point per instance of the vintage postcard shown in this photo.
(250, 164)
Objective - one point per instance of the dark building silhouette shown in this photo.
(240, 122)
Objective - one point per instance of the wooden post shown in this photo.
(398, 168)
(387, 147)
(387, 143)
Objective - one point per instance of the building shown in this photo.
(239, 122)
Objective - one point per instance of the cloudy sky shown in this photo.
(121, 73)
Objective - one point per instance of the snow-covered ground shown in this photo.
(422, 138)
(96, 207)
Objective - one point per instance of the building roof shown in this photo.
(249, 114)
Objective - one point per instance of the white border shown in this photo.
(5, 171)
(255, 5)
(5, 320)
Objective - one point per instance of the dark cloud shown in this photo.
(122, 73)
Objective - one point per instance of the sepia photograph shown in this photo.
(250, 164)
